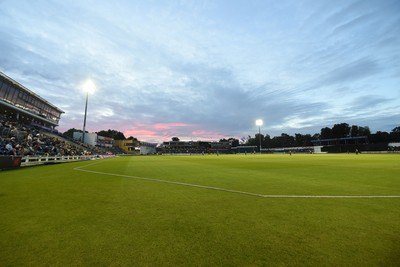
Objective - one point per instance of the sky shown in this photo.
(208, 69)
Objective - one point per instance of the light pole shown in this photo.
(259, 123)
(88, 87)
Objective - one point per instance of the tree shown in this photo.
(234, 142)
(287, 140)
(119, 136)
(176, 139)
(379, 137)
(364, 131)
(359, 131)
(250, 141)
(326, 133)
(284, 140)
(396, 129)
(354, 131)
(395, 134)
(302, 140)
(267, 141)
(340, 130)
(112, 134)
(316, 136)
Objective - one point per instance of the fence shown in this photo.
(33, 160)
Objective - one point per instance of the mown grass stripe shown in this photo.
(224, 189)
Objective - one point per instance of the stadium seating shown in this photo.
(22, 140)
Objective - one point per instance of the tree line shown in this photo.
(340, 130)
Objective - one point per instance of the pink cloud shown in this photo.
(136, 133)
(166, 126)
(154, 132)
(158, 132)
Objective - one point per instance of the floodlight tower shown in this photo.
(88, 87)
(259, 123)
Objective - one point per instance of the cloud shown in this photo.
(368, 102)
(167, 69)
(356, 70)
(141, 132)
(167, 126)
(357, 22)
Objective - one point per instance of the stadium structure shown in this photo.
(93, 139)
(129, 146)
(196, 147)
(20, 103)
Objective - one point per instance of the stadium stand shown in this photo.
(18, 139)
(195, 147)
(25, 106)
(27, 125)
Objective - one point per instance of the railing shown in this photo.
(37, 160)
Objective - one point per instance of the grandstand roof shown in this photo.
(10, 107)
(339, 139)
(17, 84)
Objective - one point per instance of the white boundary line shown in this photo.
(219, 188)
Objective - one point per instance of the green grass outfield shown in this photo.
(227, 210)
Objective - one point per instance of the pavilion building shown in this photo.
(20, 103)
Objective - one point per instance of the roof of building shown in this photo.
(9, 79)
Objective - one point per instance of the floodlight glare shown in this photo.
(89, 87)
(259, 122)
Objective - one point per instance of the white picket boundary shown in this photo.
(38, 160)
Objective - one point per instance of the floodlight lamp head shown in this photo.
(259, 122)
(89, 87)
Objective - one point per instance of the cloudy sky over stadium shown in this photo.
(208, 69)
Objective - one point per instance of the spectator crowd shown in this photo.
(18, 139)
